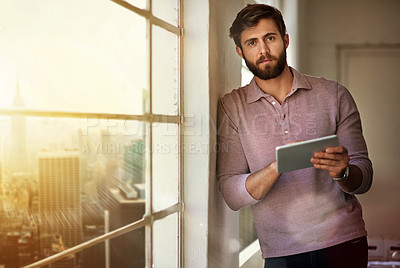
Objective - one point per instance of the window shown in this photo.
(90, 132)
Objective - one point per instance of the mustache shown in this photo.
(263, 58)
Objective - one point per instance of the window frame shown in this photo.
(150, 216)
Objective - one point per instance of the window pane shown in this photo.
(72, 55)
(165, 165)
(166, 10)
(165, 248)
(60, 175)
(138, 3)
(128, 250)
(247, 75)
(165, 72)
(125, 251)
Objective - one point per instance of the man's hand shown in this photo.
(334, 159)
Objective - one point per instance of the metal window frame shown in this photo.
(150, 217)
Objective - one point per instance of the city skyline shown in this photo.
(23, 200)
(80, 67)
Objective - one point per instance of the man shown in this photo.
(308, 217)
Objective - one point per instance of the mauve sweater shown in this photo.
(306, 209)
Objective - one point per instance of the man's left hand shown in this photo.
(334, 159)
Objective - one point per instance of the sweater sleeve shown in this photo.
(350, 135)
(232, 166)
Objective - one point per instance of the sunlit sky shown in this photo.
(72, 55)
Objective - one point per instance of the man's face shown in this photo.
(264, 50)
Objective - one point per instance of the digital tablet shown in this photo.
(298, 155)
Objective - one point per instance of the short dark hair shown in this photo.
(251, 15)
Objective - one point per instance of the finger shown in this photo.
(336, 150)
(334, 163)
(333, 171)
(323, 155)
(326, 167)
(327, 162)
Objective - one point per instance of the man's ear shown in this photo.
(286, 39)
(239, 51)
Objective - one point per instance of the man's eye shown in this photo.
(271, 38)
(252, 43)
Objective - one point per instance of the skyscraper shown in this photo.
(11, 258)
(134, 155)
(19, 155)
(127, 250)
(60, 197)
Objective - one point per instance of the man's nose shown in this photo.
(264, 48)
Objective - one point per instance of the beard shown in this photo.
(269, 72)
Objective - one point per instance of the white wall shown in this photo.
(225, 67)
(196, 103)
(326, 23)
(360, 24)
(212, 68)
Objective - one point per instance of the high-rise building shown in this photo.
(134, 155)
(93, 256)
(60, 198)
(19, 156)
(25, 249)
(68, 262)
(127, 250)
(11, 259)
